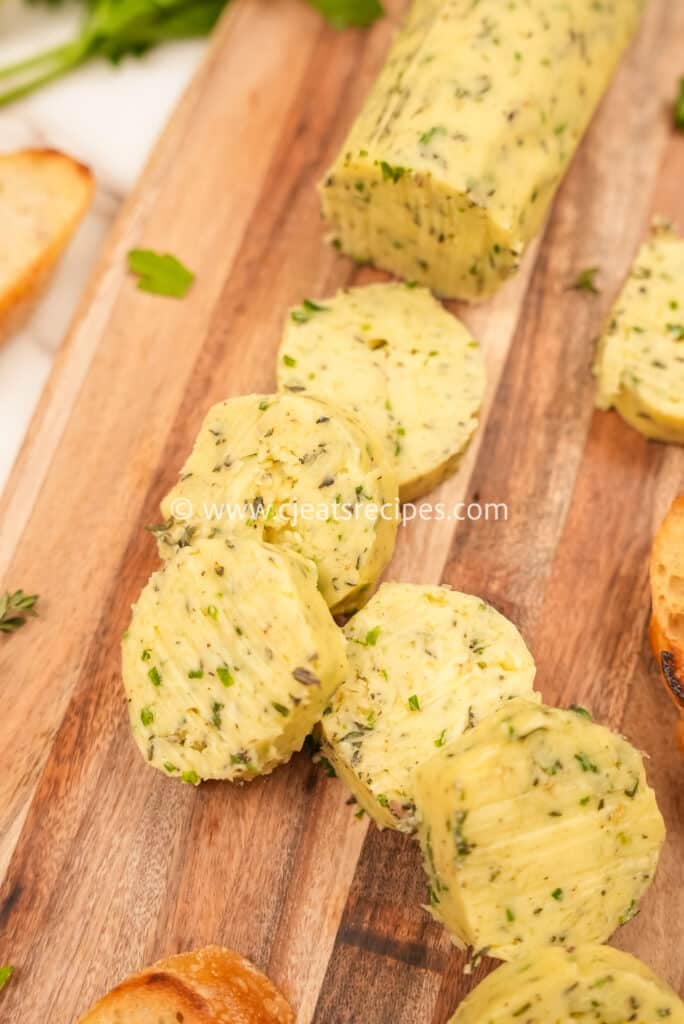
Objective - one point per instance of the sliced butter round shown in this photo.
(640, 362)
(230, 658)
(425, 664)
(538, 828)
(299, 473)
(554, 986)
(395, 356)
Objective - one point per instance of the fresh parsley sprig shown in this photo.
(113, 29)
(15, 608)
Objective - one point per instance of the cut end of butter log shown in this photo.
(393, 355)
(230, 658)
(451, 165)
(299, 473)
(640, 361)
(426, 663)
(592, 983)
(538, 828)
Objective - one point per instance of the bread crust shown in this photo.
(666, 629)
(75, 184)
(208, 986)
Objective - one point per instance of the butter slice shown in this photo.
(426, 663)
(538, 828)
(556, 986)
(640, 362)
(395, 356)
(229, 660)
(305, 475)
(450, 167)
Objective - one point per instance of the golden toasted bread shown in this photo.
(667, 591)
(208, 986)
(43, 196)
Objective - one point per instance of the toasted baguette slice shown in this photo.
(43, 196)
(667, 590)
(209, 986)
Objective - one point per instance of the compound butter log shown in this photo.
(450, 168)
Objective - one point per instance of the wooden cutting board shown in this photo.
(106, 864)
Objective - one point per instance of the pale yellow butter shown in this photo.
(395, 356)
(556, 986)
(426, 663)
(301, 474)
(640, 361)
(538, 828)
(450, 167)
(229, 660)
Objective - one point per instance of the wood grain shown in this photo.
(107, 865)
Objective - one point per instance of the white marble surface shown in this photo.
(108, 117)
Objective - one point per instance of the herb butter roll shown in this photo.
(300, 473)
(451, 165)
(537, 828)
(589, 983)
(640, 362)
(425, 664)
(396, 357)
(229, 660)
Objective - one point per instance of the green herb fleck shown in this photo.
(225, 675)
(5, 975)
(211, 611)
(280, 708)
(582, 712)
(372, 636)
(154, 676)
(426, 138)
(302, 316)
(341, 14)
(677, 330)
(191, 777)
(557, 894)
(679, 108)
(15, 608)
(390, 173)
(586, 281)
(585, 763)
(441, 739)
(195, 673)
(414, 703)
(146, 716)
(160, 273)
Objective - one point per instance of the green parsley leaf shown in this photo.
(372, 636)
(5, 975)
(15, 608)
(280, 708)
(146, 716)
(414, 703)
(190, 777)
(154, 676)
(160, 273)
